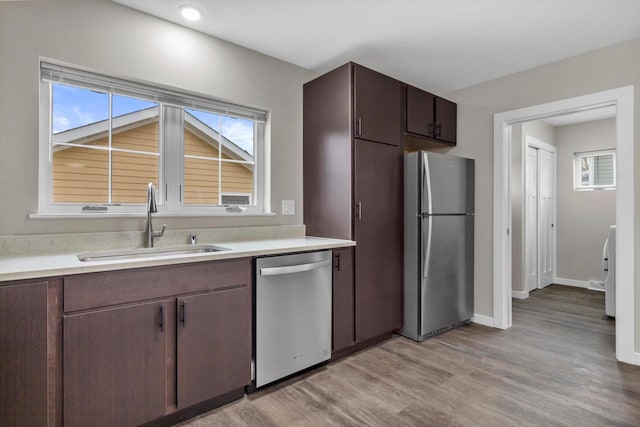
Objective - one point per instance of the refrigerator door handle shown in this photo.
(426, 183)
(426, 247)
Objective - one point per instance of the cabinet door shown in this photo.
(214, 344)
(419, 113)
(379, 237)
(343, 320)
(115, 366)
(446, 120)
(23, 355)
(327, 157)
(378, 102)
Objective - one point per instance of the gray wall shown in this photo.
(111, 38)
(542, 132)
(583, 217)
(599, 70)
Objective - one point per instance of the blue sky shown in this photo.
(74, 107)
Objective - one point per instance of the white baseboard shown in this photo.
(571, 282)
(483, 320)
(632, 359)
(520, 294)
(594, 285)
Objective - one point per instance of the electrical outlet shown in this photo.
(288, 207)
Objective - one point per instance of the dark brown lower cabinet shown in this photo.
(134, 354)
(343, 326)
(214, 344)
(379, 233)
(23, 354)
(115, 365)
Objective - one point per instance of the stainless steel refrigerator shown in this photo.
(438, 243)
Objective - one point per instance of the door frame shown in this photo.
(623, 99)
(530, 141)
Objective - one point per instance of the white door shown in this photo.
(531, 219)
(546, 166)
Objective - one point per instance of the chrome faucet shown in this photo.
(152, 208)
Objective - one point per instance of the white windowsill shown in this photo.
(594, 189)
(70, 215)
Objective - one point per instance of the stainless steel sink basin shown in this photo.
(148, 253)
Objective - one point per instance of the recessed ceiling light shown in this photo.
(190, 13)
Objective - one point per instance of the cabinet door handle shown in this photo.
(359, 210)
(359, 126)
(432, 128)
(162, 315)
(438, 129)
(183, 318)
(336, 261)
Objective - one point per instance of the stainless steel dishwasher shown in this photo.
(293, 314)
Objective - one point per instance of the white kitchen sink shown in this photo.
(148, 252)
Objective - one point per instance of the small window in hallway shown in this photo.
(594, 170)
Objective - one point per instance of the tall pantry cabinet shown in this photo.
(353, 189)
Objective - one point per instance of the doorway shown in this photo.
(533, 205)
(623, 100)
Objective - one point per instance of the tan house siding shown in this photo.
(80, 175)
(201, 176)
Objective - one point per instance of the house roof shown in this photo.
(90, 132)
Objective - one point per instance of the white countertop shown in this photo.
(37, 266)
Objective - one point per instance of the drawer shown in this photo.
(93, 290)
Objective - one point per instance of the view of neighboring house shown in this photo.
(81, 173)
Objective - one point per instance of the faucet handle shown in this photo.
(159, 233)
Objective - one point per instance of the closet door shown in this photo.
(546, 166)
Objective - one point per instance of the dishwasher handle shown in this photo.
(289, 269)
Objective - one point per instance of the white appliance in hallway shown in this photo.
(609, 270)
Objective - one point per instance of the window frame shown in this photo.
(577, 170)
(171, 104)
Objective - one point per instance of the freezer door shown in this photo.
(447, 184)
(446, 271)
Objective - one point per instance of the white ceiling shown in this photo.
(436, 45)
(582, 116)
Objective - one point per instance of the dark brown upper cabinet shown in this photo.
(377, 101)
(429, 117)
(446, 113)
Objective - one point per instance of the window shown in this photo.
(218, 158)
(104, 139)
(594, 170)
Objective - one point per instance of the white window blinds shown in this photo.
(57, 73)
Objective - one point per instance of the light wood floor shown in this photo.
(555, 366)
